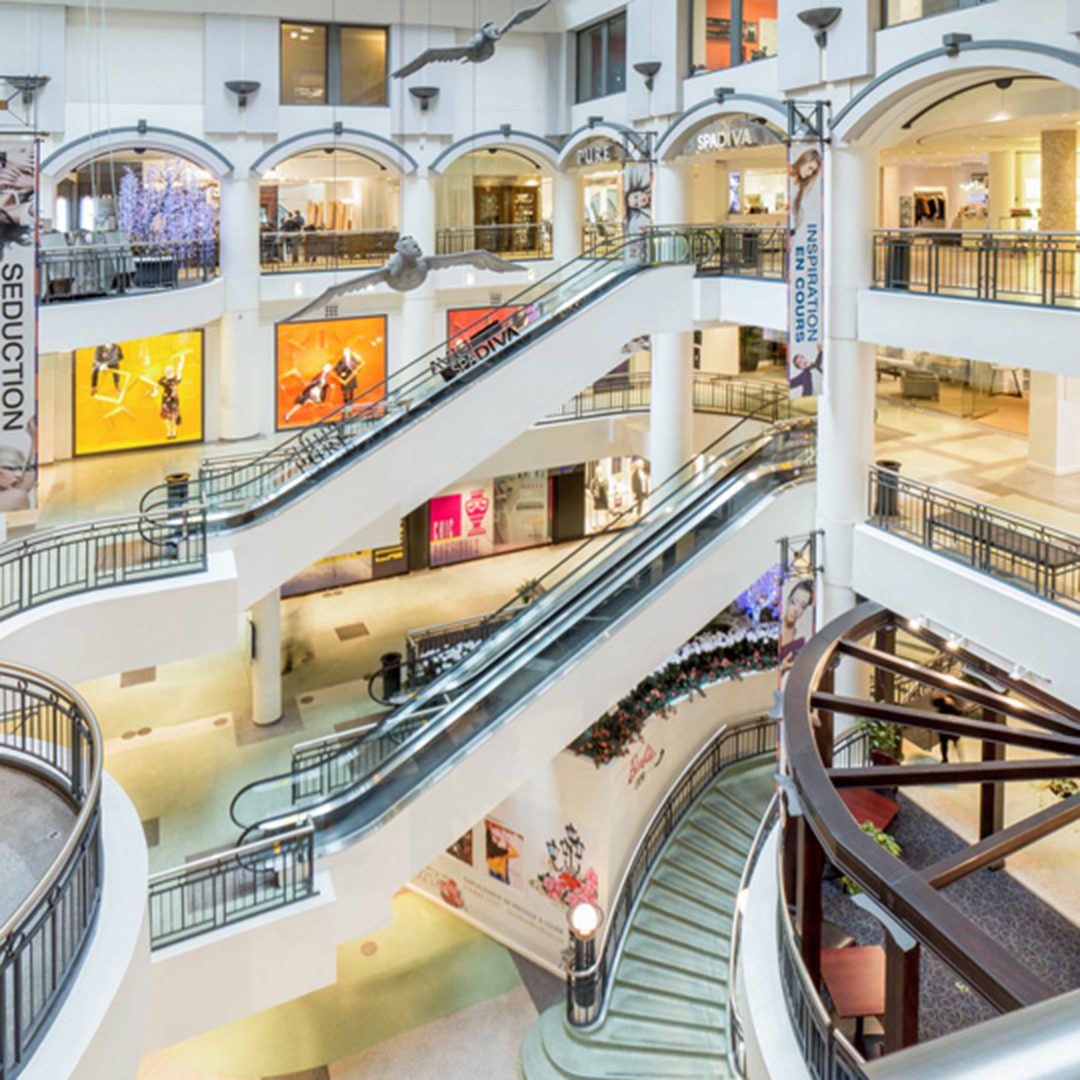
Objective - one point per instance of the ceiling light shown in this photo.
(917, 623)
(955, 643)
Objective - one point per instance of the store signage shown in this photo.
(598, 152)
(806, 306)
(460, 525)
(18, 324)
(730, 133)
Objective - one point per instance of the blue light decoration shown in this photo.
(762, 599)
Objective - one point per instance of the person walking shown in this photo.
(945, 704)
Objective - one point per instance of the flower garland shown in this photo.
(711, 657)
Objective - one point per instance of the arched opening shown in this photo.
(498, 199)
(130, 219)
(326, 208)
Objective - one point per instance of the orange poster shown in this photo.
(323, 365)
(134, 394)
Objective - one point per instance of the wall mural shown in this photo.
(564, 878)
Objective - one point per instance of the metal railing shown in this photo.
(230, 886)
(46, 729)
(114, 551)
(118, 267)
(1018, 550)
(586, 989)
(518, 242)
(599, 238)
(427, 649)
(756, 251)
(307, 249)
(1011, 267)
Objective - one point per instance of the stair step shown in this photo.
(648, 976)
(650, 1035)
(750, 798)
(631, 1001)
(676, 903)
(722, 832)
(669, 876)
(648, 947)
(661, 924)
(730, 812)
(694, 854)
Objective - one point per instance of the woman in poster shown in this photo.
(18, 473)
(314, 391)
(170, 398)
(805, 174)
(800, 600)
(18, 185)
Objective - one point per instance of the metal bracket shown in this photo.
(806, 121)
(799, 555)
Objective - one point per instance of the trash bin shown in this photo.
(888, 489)
(176, 488)
(391, 673)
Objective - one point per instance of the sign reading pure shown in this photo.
(18, 325)
(806, 205)
(598, 152)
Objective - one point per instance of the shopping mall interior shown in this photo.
(539, 539)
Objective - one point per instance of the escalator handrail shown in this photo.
(420, 369)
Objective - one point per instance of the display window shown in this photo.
(724, 33)
(461, 525)
(129, 395)
(613, 486)
(340, 571)
(326, 364)
(522, 510)
(479, 330)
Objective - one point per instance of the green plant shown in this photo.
(884, 736)
(529, 590)
(889, 843)
(1063, 787)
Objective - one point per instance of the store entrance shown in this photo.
(499, 204)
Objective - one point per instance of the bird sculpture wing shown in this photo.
(433, 56)
(521, 15)
(481, 260)
(376, 277)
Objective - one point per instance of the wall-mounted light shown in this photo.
(505, 130)
(952, 43)
(26, 85)
(425, 95)
(820, 19)
(648, 70)
(142, 126)
(594, 120)
(722, 92)
(243, 89)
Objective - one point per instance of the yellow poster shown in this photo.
(134, 394)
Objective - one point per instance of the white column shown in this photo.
(846, 408)
(567, 217)
(670, 195)
(1002, 184)
(266, 663)
(418, 331)
(671, 412)
(1053, 423)
(242, 367)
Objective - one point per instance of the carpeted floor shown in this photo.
(1035, 933)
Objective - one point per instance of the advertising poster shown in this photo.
(503, 851)
(325, 364)
(637, 185)
(462, 848)
(133, 394)
(612, 486)
(806, 302)
(340, 571)
(522, 510)
(18, 324)
(796, 621)
(476, 334)
(460, 525)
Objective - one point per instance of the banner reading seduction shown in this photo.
(806, 306)
(18, 325)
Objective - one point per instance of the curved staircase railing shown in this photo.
(47, 730)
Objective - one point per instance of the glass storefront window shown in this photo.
(303, 64)
(601, 59)
(724, 33)
(902, 11)
(333, 65)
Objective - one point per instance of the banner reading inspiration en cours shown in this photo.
(806, 303)
(18, 325)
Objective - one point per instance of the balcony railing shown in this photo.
(586, 989)
(99, 555)
(755, 251)
(601, 237)
(1005, 267)
(49, 731)
(86, 269)
(515, 242)
(305, 249)
(1020, 551)
(230, 886)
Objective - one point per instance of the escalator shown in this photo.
(634, 593)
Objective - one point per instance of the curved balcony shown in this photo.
(303, 250)
(521, 243)
(49, 733)
(938, 944)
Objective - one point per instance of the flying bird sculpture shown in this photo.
(480, 47)
(407, 269)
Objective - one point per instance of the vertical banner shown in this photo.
(18, 324)
(806, 305)
(796, 620)
(637, 192)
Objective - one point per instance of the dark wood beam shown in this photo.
(901, 994)
(950, 684)
(952, 725)
(884, 677)
(967, 772)
(808, 908)
(992, 796)
(985, 852)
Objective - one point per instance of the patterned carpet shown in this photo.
(1036, 934)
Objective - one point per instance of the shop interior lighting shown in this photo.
(648, 70)
(425, 95)
(820, 19)
(952, 43)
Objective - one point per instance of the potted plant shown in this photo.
(889, 843)
(529, 590)
(886, 740)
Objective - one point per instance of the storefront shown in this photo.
(597, 167)
(724, 33)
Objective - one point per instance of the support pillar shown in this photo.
(241, 371)
(901, 991)
(846, 407)
(671, 411)
(566, 217)
(266, 659)
(1053, 420)
(1057, 181)
(1002, 188)
(418, 330)
(670, 195)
